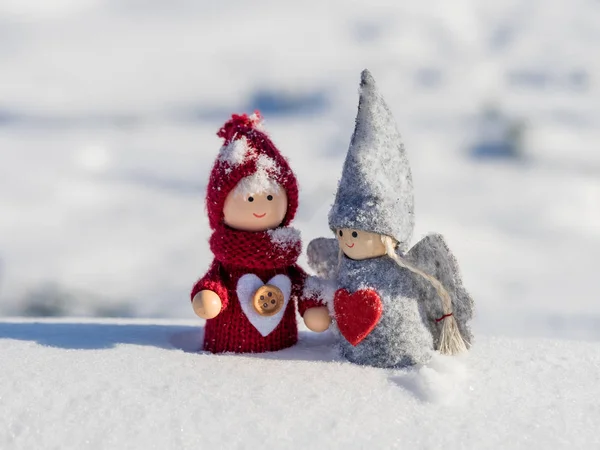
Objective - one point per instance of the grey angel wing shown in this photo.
(432, 255)
(323, 257)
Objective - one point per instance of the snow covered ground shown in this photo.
(109, 108)
(140, 385)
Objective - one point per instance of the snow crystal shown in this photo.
(266, 164)
(284, 237)
(236, 152)
(262, 181)
(258, 122)
(257, 184)
(324, 290)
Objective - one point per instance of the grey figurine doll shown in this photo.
(390, 308)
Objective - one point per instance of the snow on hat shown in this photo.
(250, 157)
(375, 193)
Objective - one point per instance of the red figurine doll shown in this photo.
(250, 292)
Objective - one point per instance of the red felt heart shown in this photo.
(357, 314)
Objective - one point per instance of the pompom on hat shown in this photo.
(248, 154)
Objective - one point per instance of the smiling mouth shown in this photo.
(259, 216)
(349, 246)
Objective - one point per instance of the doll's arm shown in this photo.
(320, 290)
(312, 304)
(305, 302)
(323, 256)
(209, 295)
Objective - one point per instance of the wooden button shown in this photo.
(268, 300)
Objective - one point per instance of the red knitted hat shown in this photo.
(247, 151)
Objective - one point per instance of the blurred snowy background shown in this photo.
(109, 109)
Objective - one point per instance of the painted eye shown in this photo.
(270, 198)
(250, 199)
(341, 233)
(354, 234)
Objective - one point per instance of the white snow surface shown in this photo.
(142, 384)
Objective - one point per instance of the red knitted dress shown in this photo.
(245, 260)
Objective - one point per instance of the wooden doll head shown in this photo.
(255, 205)
(359, 245)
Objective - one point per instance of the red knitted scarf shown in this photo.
(271, 249)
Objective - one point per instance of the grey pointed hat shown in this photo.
(375, 193)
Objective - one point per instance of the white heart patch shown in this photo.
(247, 286)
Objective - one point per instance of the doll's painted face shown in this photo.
(360, 245)
(260, 211)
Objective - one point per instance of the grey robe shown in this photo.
(407, 332)
(401, 337)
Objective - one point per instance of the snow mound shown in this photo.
(142, 384)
